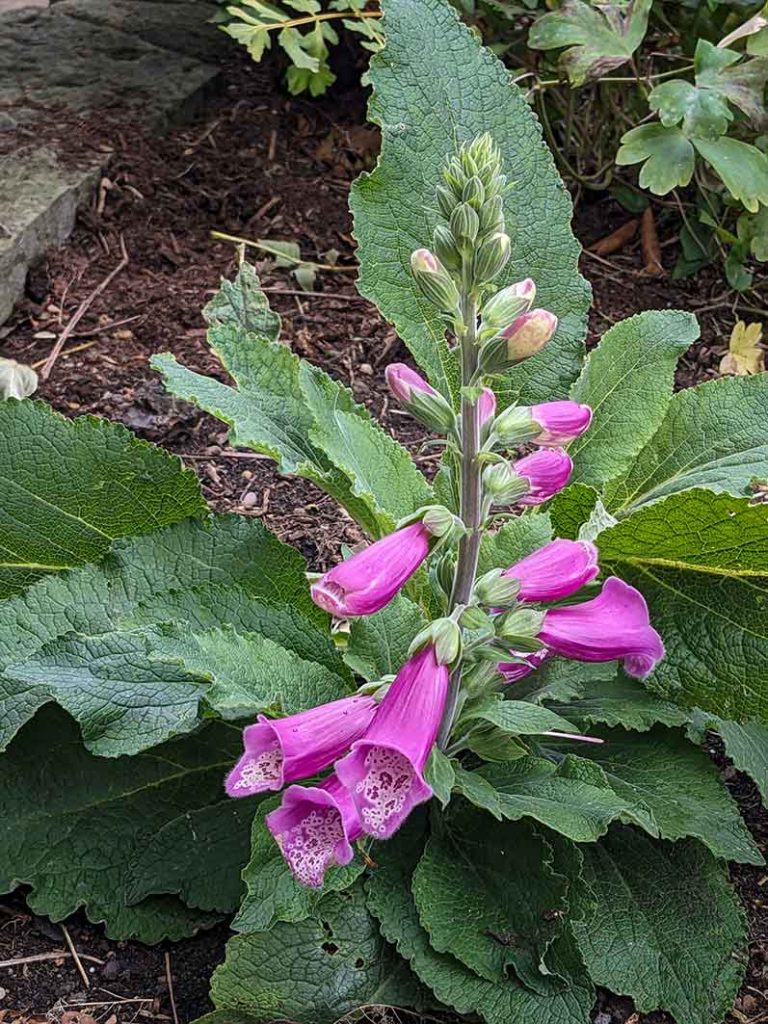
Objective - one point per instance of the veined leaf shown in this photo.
(744, 354)
(378, 644)
(599, 40)
(514, 540)
(742, 167)
(645, 900)
(620, 701)
(395, 208)
(714, 435)
(674, 781)
(390, 900)
(313, 971)
(97, 816)
(627, 380)
(69, 488)
(667, 155)
(746, 744)
(701, 561)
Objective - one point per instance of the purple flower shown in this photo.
(286, 749)
(384, 771)
(402, 381)
(560, 422)
(315, 827)
(555, 571)
(547, 472)
(487, 406)
(370, 579)
(514, 670)
(613, 625)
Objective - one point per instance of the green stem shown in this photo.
(471, 501)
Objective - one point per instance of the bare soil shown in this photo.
(259, 165)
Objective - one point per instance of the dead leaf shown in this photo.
(649, 241)
(17, 380)
(744, 354)
(616, 240)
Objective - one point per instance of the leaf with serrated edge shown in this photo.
(378, 644)
(627, 380)
(746, 744)
(620, 701)
(390, 900)
(514, 540)
(72, 823)
(647, 901)
(69, 488)
(701, 562)
(677, 782)
(423, 107)
(713, 436)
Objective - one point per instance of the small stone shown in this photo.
(367, 369)
(213, 449)
(250, 500)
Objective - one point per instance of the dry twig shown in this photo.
(169, 979)
(78, 962)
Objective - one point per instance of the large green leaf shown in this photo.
(701, 561)
(313, 971)
(307, 422)
(517, 538)
(678, 784)
(272, 893)
(487, 893)
(714, 436)
(69, 488)
(742, 166)
(424, 107)
(378, 644)
(599, 40)
(129, 646)
(668, 157)
(746, 744)
(73, 824)
(619, 700)
(663, 926)
(627, 380)
(390, 900)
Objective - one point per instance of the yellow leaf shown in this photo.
(744, 353)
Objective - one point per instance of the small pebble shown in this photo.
(250, 500)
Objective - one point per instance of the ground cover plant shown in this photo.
(160, 631)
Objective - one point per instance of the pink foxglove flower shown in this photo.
(286, 749)
(315, 827)
(369, 580)
(547, 472)
(514, 670)
(560, 422)
(613, 625)
(555, 571)
(487, 406)
(402, 381)
(384, 771)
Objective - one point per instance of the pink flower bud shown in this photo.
(560, 422)
(403, 381)
(547, 471)
(529, 333)
(369, 580)
(384, 770)
(422, 260)
(487, 406)
(515, 670)
(555, 571)
(614, 625)
(525, 289)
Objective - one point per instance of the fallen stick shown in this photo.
(81, 310)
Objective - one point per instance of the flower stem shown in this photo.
(471, 510)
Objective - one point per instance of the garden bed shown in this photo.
(259, 165)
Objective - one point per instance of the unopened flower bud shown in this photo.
(440, 521)
(546, 472)
(520, 627)
(446, 200)
(419, 398)
(444, 635)
(473, 193)
(560, 422)
(444, 245)
(505, 305)
(496, 590)
(515, 426)
(524, 337)
(475, 619)
(491, 257)
(492, 215)
(435, 281)
(486, 404)
(503, 485)
(464, 224)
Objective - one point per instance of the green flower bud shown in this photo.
(519, 629)
(497, 590)
(524, 337)
(464, 224)
(492, 215)
(444, 635)
(435, 281)
(502, 484)
(440, 521)
(509, 303)
(515, 426)
(475, 619)
(473, 193)
(445, 247)
(446, 200)
(491, 258)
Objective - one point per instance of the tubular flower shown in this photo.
(286, 749)
(555, 571)
(613, 625)
(384, 771)
(547, 472)
(514, 670)
(560, 422)
(487, 406)
(315, 827)
(370, 579)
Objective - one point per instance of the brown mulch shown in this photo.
(259, 165)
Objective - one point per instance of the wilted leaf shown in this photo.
(744, 354)
(17, 380)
